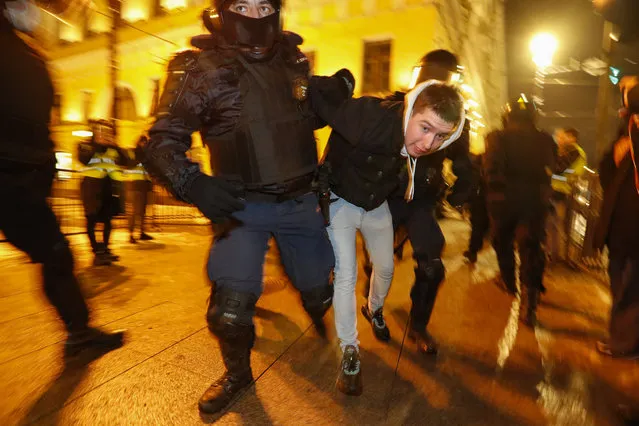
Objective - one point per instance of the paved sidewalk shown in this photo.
(491, 370)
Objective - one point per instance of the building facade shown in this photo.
(380, 41)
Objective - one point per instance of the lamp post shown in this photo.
(543, 47)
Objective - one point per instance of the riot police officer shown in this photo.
(418, 215)
(27, 168)
(518, 164)
(246, 92)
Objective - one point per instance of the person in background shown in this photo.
(101, 188)
(479, 219)
(27, 169)
(618, 229)
(518, 163)
(140, 185)
(571, 161)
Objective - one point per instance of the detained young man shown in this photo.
(371, 139)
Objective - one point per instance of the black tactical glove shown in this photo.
(347, 82)
(336, 88)
(215, 197)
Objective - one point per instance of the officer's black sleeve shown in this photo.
(459, 154)
(184, 100)
(331, 91)
(358, 120)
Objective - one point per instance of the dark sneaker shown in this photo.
(377, 321)
(349, 379)
(470, 256)
(224, 392)
(424, 341)
(132, 240)
(101, 259)
(145, 237)
(92, 339)
(112, 257)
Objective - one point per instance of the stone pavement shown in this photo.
(490, 371)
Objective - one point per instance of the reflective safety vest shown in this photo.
(563, 182)
(136, 173)
(103, 164)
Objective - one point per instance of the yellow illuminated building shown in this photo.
(380, 41)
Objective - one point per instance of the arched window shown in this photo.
(125, 104)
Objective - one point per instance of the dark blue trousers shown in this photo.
(236, 261)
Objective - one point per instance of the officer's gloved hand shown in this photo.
(215, 197)
(334, 89)
(347, 82)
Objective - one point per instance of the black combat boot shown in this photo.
(316, 302)
(237, 378)
(426, 344)
(93, 339)
(349, 379)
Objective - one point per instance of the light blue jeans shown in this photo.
(376, 227)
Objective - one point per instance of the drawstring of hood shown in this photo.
(409, 104)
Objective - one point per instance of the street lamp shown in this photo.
(543, 47)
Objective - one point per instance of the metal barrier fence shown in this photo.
(583, 211)
(162, 207)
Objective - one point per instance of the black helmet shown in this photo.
(438, 65)
(255, 37)
(521, 110)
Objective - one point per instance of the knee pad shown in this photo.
(430, 271)
(230, 315)
(318, 300)
(59, 260)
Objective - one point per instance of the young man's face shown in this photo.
(426, 132)
(252, 8)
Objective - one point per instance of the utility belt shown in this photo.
(280, 192)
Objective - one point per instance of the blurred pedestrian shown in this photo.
(27, 169)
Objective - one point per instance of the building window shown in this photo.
(310, 54)
(87, 104)
(377, 57)
(125, 104)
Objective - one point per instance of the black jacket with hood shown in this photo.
(366, 144)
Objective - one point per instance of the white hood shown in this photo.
(409, 103)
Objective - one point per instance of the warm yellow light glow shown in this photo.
(414, 76)
(478, 115)
(404, 79)
(134, 15)
(72, 116)
(543, 47)
(473, 103)
(466, 88)
(82, 133)
(174, 4)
